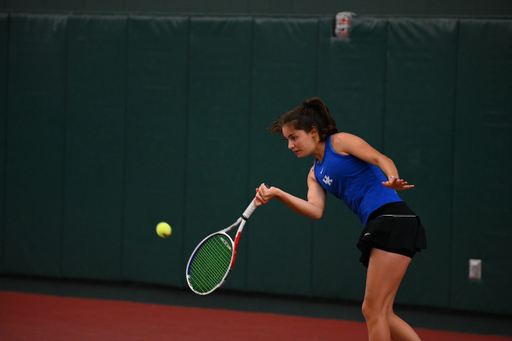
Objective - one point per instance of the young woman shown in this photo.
(366, 180)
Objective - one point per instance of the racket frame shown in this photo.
(234, 247)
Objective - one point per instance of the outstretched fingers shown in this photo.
(397, 184)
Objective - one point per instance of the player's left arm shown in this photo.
(345, 143)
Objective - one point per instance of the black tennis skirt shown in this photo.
(395, 228)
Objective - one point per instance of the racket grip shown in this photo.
(249, 210)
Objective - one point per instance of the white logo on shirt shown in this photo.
(327, 180)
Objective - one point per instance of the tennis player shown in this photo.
(367, 181)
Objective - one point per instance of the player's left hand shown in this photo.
(396, 184)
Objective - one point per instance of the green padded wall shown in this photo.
(352, 75)
(155, 148)
(35, 145)
(95, 147)
(284, 75)
(4, 39)
(483, 162)
(217, 131)
(420, 102)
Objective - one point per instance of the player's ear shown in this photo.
(314, 131)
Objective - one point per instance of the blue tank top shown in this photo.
(357, 182)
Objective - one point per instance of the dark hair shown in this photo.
(312, 113)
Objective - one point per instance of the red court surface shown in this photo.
(41, 317)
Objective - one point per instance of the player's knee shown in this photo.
(368, 310)
(372, 311)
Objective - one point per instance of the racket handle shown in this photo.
(249, 210)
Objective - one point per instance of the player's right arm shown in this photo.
(312, 208)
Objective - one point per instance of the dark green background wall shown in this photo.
(374, 7)
(112, 123)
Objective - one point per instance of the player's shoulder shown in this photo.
(341, 141)
(311, 173)
(340, 137)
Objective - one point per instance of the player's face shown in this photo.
(300, 142)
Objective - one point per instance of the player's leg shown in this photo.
(400, 330)
(385, 272)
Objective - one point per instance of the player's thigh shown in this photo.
(385, 273)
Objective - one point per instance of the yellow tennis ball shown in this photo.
(163, 230)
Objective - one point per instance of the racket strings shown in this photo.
(210, 263)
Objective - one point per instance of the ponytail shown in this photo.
(312, 113)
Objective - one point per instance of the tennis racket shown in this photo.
(214, 257)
